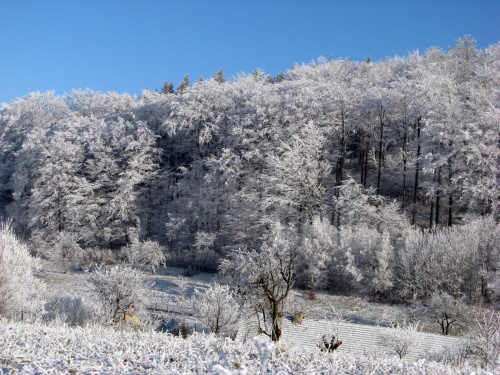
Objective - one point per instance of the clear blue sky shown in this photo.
(127, 46)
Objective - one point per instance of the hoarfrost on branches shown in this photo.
(19, 287)
(118, 290)
(147, 253)
(217, 307)
(401, 339)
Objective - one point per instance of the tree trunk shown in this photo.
(117, 310)
(431, 218)
(380, 151)
(450, 196)
(438, 208)
(450, 210)
(417, 169)
(381, 116)
(405, 159)
(362, 156)
(276, 333)
(343, 151)
(438, 198)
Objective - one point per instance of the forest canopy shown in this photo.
(374, 165)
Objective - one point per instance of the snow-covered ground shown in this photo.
(42, 349)
(164, 294)
(170, 301)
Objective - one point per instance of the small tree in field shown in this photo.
(67, 250)
(402, 339)
(217, 307)
(268, 274)
(18, 285)
(446, 311)
(118, 290)
(147, 253)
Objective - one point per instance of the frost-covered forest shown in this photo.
(354, 157)
(375, 179)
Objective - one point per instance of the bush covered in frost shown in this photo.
(147, 253)
(74, 311)
(19, 287)
(118, 292)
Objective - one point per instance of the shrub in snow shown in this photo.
(59, 247)
(456, 355)
(100, 257)
(67, 251)
(485, 341)
(118, 291)
(401, 339)
(217, 308)
(74, 311)
(19, 287)
(182, 283)
(147, 253)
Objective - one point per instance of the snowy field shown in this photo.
(172, 293)
(41, 349)
(56, 348)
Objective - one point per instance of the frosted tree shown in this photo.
(354, 205)
(486, 339)
(383, 278)
(204, 248)
(220, 77)
(268, 273)
(297, 171)
(55, 190)
(201, 127)
(107, 106)
(402, 339)
(346, 97)
(459, 261)
(417, 264)
(118, 290)
(168, 88)
(408, 108)
(318, 242)
(121, 159)
(480, 136)
(37, 113)
(217, 307)
(184, 85)
(146, 253)
(458, 103)
(65, 249)
(19, 287)
(362, 261)
(447, 312)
